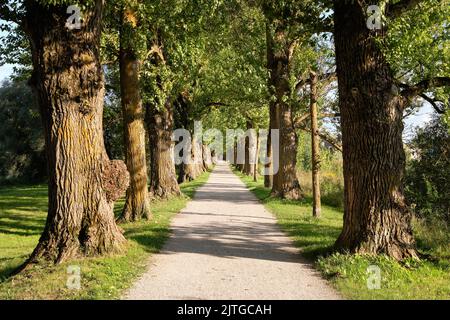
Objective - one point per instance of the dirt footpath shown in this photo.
(225, 245)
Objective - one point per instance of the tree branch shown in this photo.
(109, 62)
(298, 122)
(329, 76)
(326, 137)
(9, 14)
(330, 115)
(217, 104)
(325, 25)
(416, 90)
(397, 9)
(433, 103)
(156, 51)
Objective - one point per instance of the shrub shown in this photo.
(427, 186)
(331, 175)
(22, 154)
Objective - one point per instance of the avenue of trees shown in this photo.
(117, 87)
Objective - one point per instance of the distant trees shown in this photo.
(290, 27)
(163, 178)
(184, 119)
(231, 90)
(159, 118)
(280, 50)
(428, 171)
(137, 204)
(22, 152)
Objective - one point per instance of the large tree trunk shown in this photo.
(376, 218)
(83, 182)
(163, 178)
(268, 178)
(137, 200)
(249, 153)
(190, 171)
(240, 161)
(279, 54)
(255, 165)
(206, 155)
(187, 171)
(235, 148)
(160, 121)
(315, 147)
(214, 158)
(198, 155)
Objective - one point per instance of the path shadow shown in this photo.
(233, 196)
(152, 240)
(252, 240)
(228, 215)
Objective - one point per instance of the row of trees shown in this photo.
(380, 72)
(68, 78)
(234, 63)
(378, 79)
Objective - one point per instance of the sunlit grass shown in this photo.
(22, 218)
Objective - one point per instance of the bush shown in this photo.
(427, 186)
(22, 152)
(331, 174)
(433, 238)
(332, 189)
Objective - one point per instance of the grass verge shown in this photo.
(425, 279)
(22, 218)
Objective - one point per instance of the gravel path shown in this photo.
(225, 245)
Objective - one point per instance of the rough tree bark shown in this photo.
(240, 161)
(214, 158)
(198, 155)
(160, 121)
(163, 178)
(234, 152)
(248, 167)
(83, 182)
(268, 179)
(187, 171)
(376, 218)
(268, 166)
(137, 199)
(255, 165)
(206, 155)
(279, 55)
(315, 148)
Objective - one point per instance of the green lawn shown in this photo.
(22, 218)
(426, 279)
